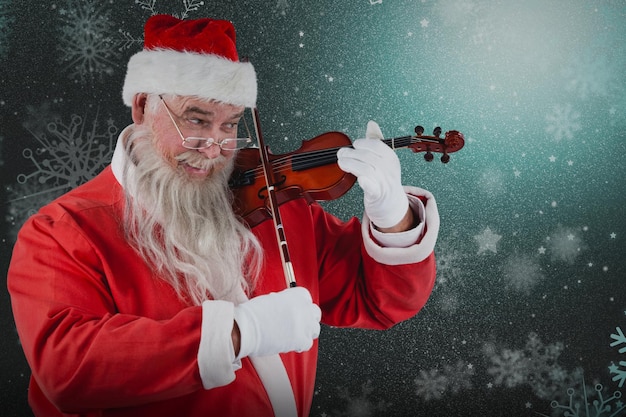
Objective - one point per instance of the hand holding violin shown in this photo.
(377, 169)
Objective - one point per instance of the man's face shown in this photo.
(194, 118)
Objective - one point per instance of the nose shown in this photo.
(211, 152)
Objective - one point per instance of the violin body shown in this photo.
(309, 172)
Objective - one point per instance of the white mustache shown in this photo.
(196, 160)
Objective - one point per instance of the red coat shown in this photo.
(104, 337)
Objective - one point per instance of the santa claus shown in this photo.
(142, 293)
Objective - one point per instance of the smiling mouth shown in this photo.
(195, 170)
(198, 166)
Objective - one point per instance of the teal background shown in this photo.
(530, 298)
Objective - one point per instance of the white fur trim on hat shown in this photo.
(166, 71)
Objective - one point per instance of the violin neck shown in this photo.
(400, 142)
(321, 157)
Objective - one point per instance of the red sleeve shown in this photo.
(80, 349)
(357, 291)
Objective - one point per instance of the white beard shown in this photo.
(185, 228)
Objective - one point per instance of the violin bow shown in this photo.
(270, 180)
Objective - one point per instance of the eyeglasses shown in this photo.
(191, 142)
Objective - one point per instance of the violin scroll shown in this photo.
(452, 141)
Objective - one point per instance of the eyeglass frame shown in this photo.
(208, 142)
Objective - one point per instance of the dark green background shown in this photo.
(536, 87)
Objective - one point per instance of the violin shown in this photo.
(312, 172)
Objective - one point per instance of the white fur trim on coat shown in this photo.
(216, 353)
(414, 253)
(165, 71)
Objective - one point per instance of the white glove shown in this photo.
(377, 169)
(278, 322)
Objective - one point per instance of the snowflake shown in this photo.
(509, 368)
(148, 5)
(619, 371)
(38, 117)
(433, 383)
(361, 405)
(188, 6)
(460, 376)
(544, 374)
(580, 403)
(128, 40)
(449, 273)
(565, 245)
(521, 273)
(88, 51)
(487, 241)
(534, 365)
(563, 122)
(448, 263)
(74, 154)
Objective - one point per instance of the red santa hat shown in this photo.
(191, 58)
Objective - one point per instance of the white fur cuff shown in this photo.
(395, 250)
(216, 353)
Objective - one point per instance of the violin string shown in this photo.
(321, 156)
(330, 154)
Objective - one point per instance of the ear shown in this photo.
(139, 107)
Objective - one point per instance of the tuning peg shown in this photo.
(437, 131)
(428, 156)
(419, 130)
(445, 158)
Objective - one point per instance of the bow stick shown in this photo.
(274, 209)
